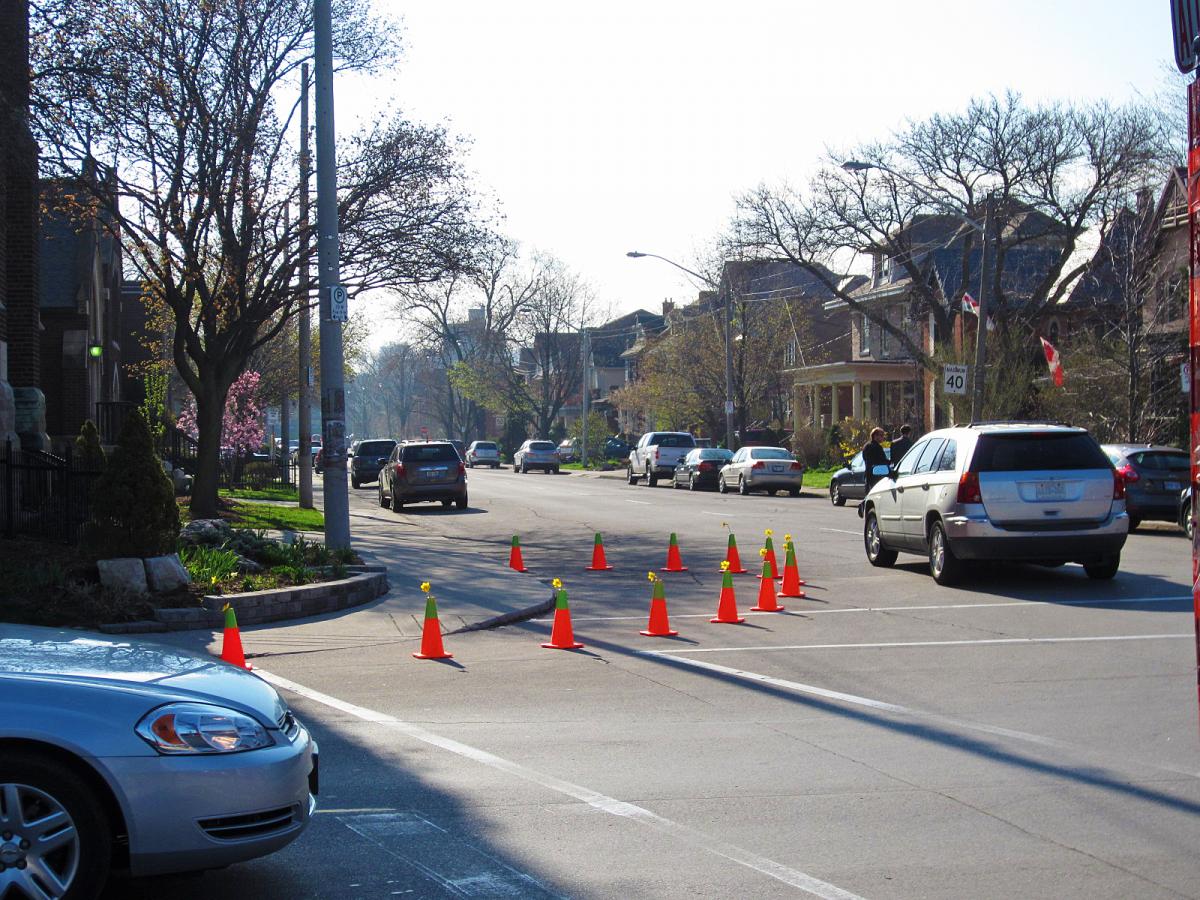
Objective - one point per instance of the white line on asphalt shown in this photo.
(639, 502)
(883, 706)
(723, 515)
(1027, 604)
(596, 800)
(842, 531)
(961, 643)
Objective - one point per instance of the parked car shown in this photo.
(700, 469)
(850, 482)
(706, 442)
(615, 448)
(536, 454)
(1007, 491)
(460, 447)
(567, 450)
(122, 753)
(1154, 476)
(767, 469)
(483, 453)
(656, 455)
(353, 448)
(419, 471)
(1185, 512)
(369, 458)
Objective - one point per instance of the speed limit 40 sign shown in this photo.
(954, 379)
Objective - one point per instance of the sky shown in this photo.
(604, 128)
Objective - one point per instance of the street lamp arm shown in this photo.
(634, 254)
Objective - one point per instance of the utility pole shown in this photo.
(587, 390)
(304, 396)
(985, 278)
(332, 294)
(729, 368)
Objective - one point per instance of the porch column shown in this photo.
(834, 413)
(856, 395)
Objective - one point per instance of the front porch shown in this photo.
(885, 392)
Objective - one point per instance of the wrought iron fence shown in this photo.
(236, 470)
(44, 496)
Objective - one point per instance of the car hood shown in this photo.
(166, 673)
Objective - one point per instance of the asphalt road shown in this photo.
(1028, 734)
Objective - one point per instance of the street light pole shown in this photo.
(304, 338)
(987, 258)
(634, 254)
(333, 392)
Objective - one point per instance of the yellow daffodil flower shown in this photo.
(768, 532)
(762, 553)
(651, 577)
(724, 565)
(425, 586)
(557, 584)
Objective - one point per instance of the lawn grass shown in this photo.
(283, 518)
(818, 479)
(271, 492)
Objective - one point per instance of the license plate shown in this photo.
(1050, 490)
(1172, 486)
(777, 467)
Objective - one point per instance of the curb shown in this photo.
(509, 618)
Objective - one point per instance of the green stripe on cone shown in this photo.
(658, 593)
(732, 542)
(790, 560)
(515, 541)
(674, 541)
(766, 572)
(430, 608)
(230, 617)
(560, 600)
(597, 540)
(770, 546)
(726, 581)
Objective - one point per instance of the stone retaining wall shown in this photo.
(257, 607)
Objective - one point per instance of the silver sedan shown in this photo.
(158, 759)
(765, 469)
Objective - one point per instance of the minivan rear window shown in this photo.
(541, 446)
(375, 448)
(1033, 452)
(430, 453)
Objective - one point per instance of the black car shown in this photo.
(699, 469)
(1153, 476)
(615, 448)
(419, 471)
(369, 457)
(850, 483)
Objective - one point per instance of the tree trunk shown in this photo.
(210, 410)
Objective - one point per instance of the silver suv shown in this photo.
(1009, 491)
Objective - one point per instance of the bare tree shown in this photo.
(193, 105)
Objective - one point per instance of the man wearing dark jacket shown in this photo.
(873, 455)
(900, 445)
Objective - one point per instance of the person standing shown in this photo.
(873, 455)
(901, 444)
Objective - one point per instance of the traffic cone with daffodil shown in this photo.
(562, 636)
(791, 572)
(727, 613)
(659, 625)
(766, 589)
(768, 553)
(431, 632)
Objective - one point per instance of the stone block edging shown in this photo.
(256, 607)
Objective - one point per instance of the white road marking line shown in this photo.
(842, 531)
(638, 502)
(723, 515)
(960, 643)
(596, 800)
(883, 706)
(1028, 604)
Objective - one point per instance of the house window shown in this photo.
(864, 336)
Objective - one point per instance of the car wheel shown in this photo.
(397, 505)
(794, 492)
(56, 829)
(1103, 568)
(556, 470)
(382, 500)
(743, 488)
(945, 567)
(355, 483)
(1188, 527)
(461, 502)
(524, 469)
(651, 479)
(446, 504)
(1134, 522)
(722, 487)
(877, 554)
(692, 484)
(835, 495)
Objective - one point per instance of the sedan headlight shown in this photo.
(201, 728)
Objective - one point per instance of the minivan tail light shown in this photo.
(1128, 475)
(1119, 480)
(968, 488)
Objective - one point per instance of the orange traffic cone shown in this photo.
(562, 636)
(515, 562)
(659, 625)
(791, 575)
(674, 562)
(727, 613)
(431, 634)
(766, 592)
(599, 563)
(770, 558)
(731, 557)
(231, 641)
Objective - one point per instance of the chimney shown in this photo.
(668, 307)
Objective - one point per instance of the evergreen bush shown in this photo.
(89, 455)
(133, 501)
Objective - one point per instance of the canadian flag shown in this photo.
(1054, 361)
(971, 305)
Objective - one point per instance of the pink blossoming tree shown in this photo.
(242, 424)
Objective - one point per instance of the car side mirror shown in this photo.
(881, 471)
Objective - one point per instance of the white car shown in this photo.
(483, 453)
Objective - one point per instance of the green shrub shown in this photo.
(207, 563)
(89, 455)
(133, 501)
